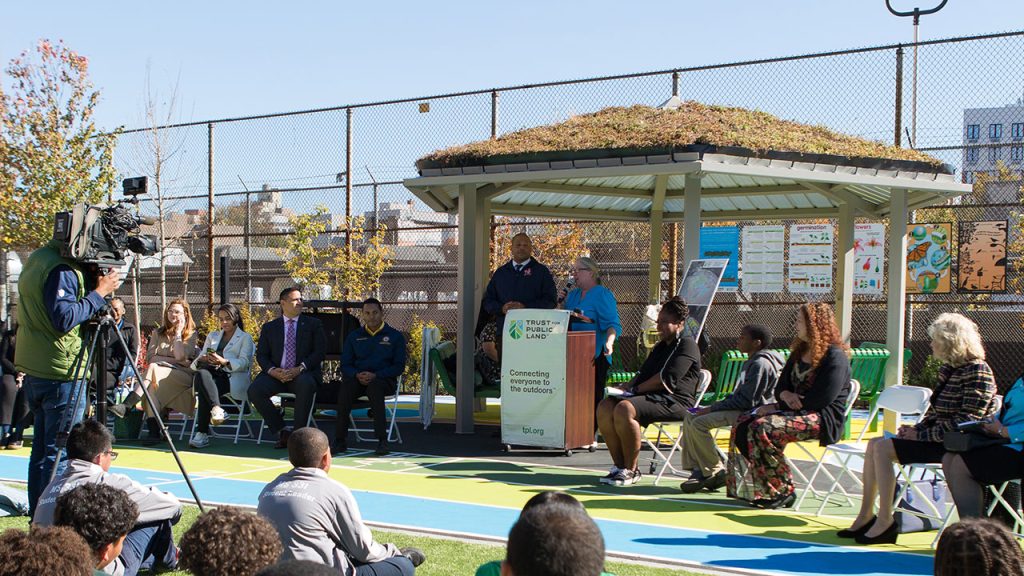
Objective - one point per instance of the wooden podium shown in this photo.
(547, 397)
(579, 390)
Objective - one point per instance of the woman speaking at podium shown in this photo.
(593, 308)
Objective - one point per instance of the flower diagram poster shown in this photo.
(982, 256)
(928, 258)
(868, 258)
(764, 255)
(810, 258)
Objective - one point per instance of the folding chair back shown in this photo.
(658, 455)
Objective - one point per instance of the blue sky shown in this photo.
(234, 59)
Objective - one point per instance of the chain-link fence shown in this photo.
(255, 173)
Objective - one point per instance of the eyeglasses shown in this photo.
(112, 454)
(575, 270)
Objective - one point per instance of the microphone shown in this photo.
(565, 291)
(147, 220)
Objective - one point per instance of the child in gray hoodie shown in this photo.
(756, 386)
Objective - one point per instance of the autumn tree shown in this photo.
(556, 244)
(52, 156)
(313, 260)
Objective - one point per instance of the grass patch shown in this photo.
(445, 557)
(637, 128)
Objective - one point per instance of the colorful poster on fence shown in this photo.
(764, 256)
(698, 290)
(810, 258)
(928, 258)
(868, 258)
(722, 242)
(982, 262)
(533, 378)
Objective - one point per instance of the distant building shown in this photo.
(992, 135)
(402, 220)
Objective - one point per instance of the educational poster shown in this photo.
(810, 258)
(982, 256)
(722, 242)
(533, 377)
(868, 258)
(764, 254)
(698, 290)
(928, 258)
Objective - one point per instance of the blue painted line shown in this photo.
(731, 551)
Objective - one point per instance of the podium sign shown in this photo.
(533, 386)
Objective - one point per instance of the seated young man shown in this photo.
(756, 386)
(318, 519)
(102, 515)
(150, 544)
(554, 540)
(228, 541)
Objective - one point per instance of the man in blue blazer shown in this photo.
(522, 282)
(290, 351)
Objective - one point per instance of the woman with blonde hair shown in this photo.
(964, 392)
(810, 403)
(594, 309)
(172, 346)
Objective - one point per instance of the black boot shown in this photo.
(152, 429)
(121, 408)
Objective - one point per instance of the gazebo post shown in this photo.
(657, 218)
(844, 270)
(895, 329)
(472, 244)
(691, 220)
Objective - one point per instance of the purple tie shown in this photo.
(288, 361)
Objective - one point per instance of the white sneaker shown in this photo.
(607, 478)
(217, 416)
(199, 440)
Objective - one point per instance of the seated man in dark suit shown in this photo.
(290, 351)
(522, 282)
(371, 362)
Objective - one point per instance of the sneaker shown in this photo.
(217, 416)
(415, 555)
(699, 482)
(118, 410)
(626, 478)
(199, 440)
(607, 478)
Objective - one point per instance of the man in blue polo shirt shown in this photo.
(371, 362)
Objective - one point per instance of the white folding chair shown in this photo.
(999, 500)
(663, 426)
(235, 412)
(390, 408)
(851, 399)
(903, 400)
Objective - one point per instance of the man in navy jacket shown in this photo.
(371, 362)
(521, 283)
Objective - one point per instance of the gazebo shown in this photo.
(692, 163)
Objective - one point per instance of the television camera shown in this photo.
(104, 235)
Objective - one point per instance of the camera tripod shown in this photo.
(97, 338)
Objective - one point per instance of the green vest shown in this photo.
(42, 351)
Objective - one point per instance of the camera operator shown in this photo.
(54, 302)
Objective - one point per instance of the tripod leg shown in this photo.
(160, 422)
(71, 413)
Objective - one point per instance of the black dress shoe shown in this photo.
(382, 449)
(887, 537)
(282, 439)
(339, 448)
(853, 533)
(785, 501)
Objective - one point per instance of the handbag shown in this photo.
(967, 440)
(914, 515)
